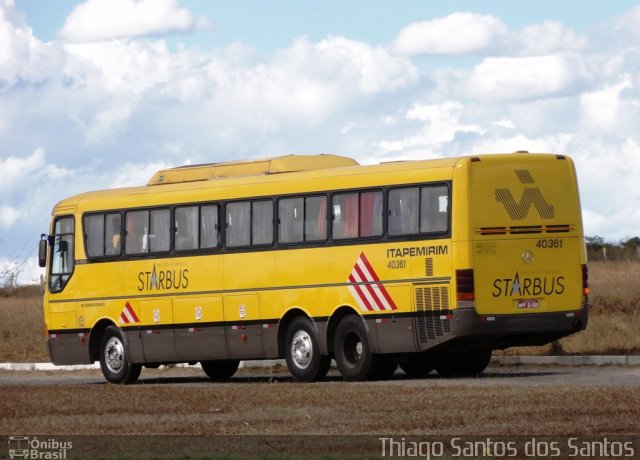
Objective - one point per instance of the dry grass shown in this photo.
(22, 326)
(323, 408)
(614, 323)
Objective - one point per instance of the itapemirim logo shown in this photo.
(530, 196)
(30, 447)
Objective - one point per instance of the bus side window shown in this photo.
(209, 227)
(238, 220)
(94, 234)
(102, 234)
(186, 228)
(315, 220)
(159, 230)
(345, 216)
(112, 239)
(371, 213)
(261, 222)
(291, 220)
(136, 240)
(434, 209)
(403, 211)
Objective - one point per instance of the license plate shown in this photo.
(528, 304)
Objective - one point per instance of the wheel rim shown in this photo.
(353, 348)
(114, 355)
(301, 349)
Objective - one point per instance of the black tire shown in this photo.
(382, 367)
(462, 364)
(114, 361)
(351, 349)
(302, 351)
(419, 365)
(222, 369)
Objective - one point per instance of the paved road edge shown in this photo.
(602, 360)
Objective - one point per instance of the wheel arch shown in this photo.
(95, 337)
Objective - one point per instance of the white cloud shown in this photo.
(8, 216)
(500, 79)
(547, 38)
(623, 29)
(133, 174)
(441, 123)
(505, 123)
(22, 56)
(600, 108)
(608, 174)
(483, 34)
(458, 33)
(16, 172)
(97, 20)
(556, 143)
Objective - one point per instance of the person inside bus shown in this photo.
(136, 240)
(114, 249)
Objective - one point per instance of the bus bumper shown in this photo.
(69, 348)
(470, 330)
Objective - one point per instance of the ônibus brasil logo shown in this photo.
(32, 448)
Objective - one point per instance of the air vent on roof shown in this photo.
(276, 165)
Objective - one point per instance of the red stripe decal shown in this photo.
(366, 287)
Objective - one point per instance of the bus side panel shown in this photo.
(158, 342)
(199, 332)
(67, 343)
(243, 326)
(395, 333)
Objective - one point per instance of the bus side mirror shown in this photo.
(42, 251)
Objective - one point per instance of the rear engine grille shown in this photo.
(433, 318)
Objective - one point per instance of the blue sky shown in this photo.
(273, 24)
(101, 93)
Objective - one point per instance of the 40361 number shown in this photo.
(397, 264)
(551, 243)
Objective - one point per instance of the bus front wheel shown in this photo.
(302, 351)
(220, 369)
(114, 362)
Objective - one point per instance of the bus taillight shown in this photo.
(585, 280)
(464, 285)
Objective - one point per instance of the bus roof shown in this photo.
(275, 165)
(305, 171)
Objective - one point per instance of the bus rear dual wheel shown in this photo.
(461, 364)
(353, 354)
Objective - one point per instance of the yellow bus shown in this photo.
(422, 264)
